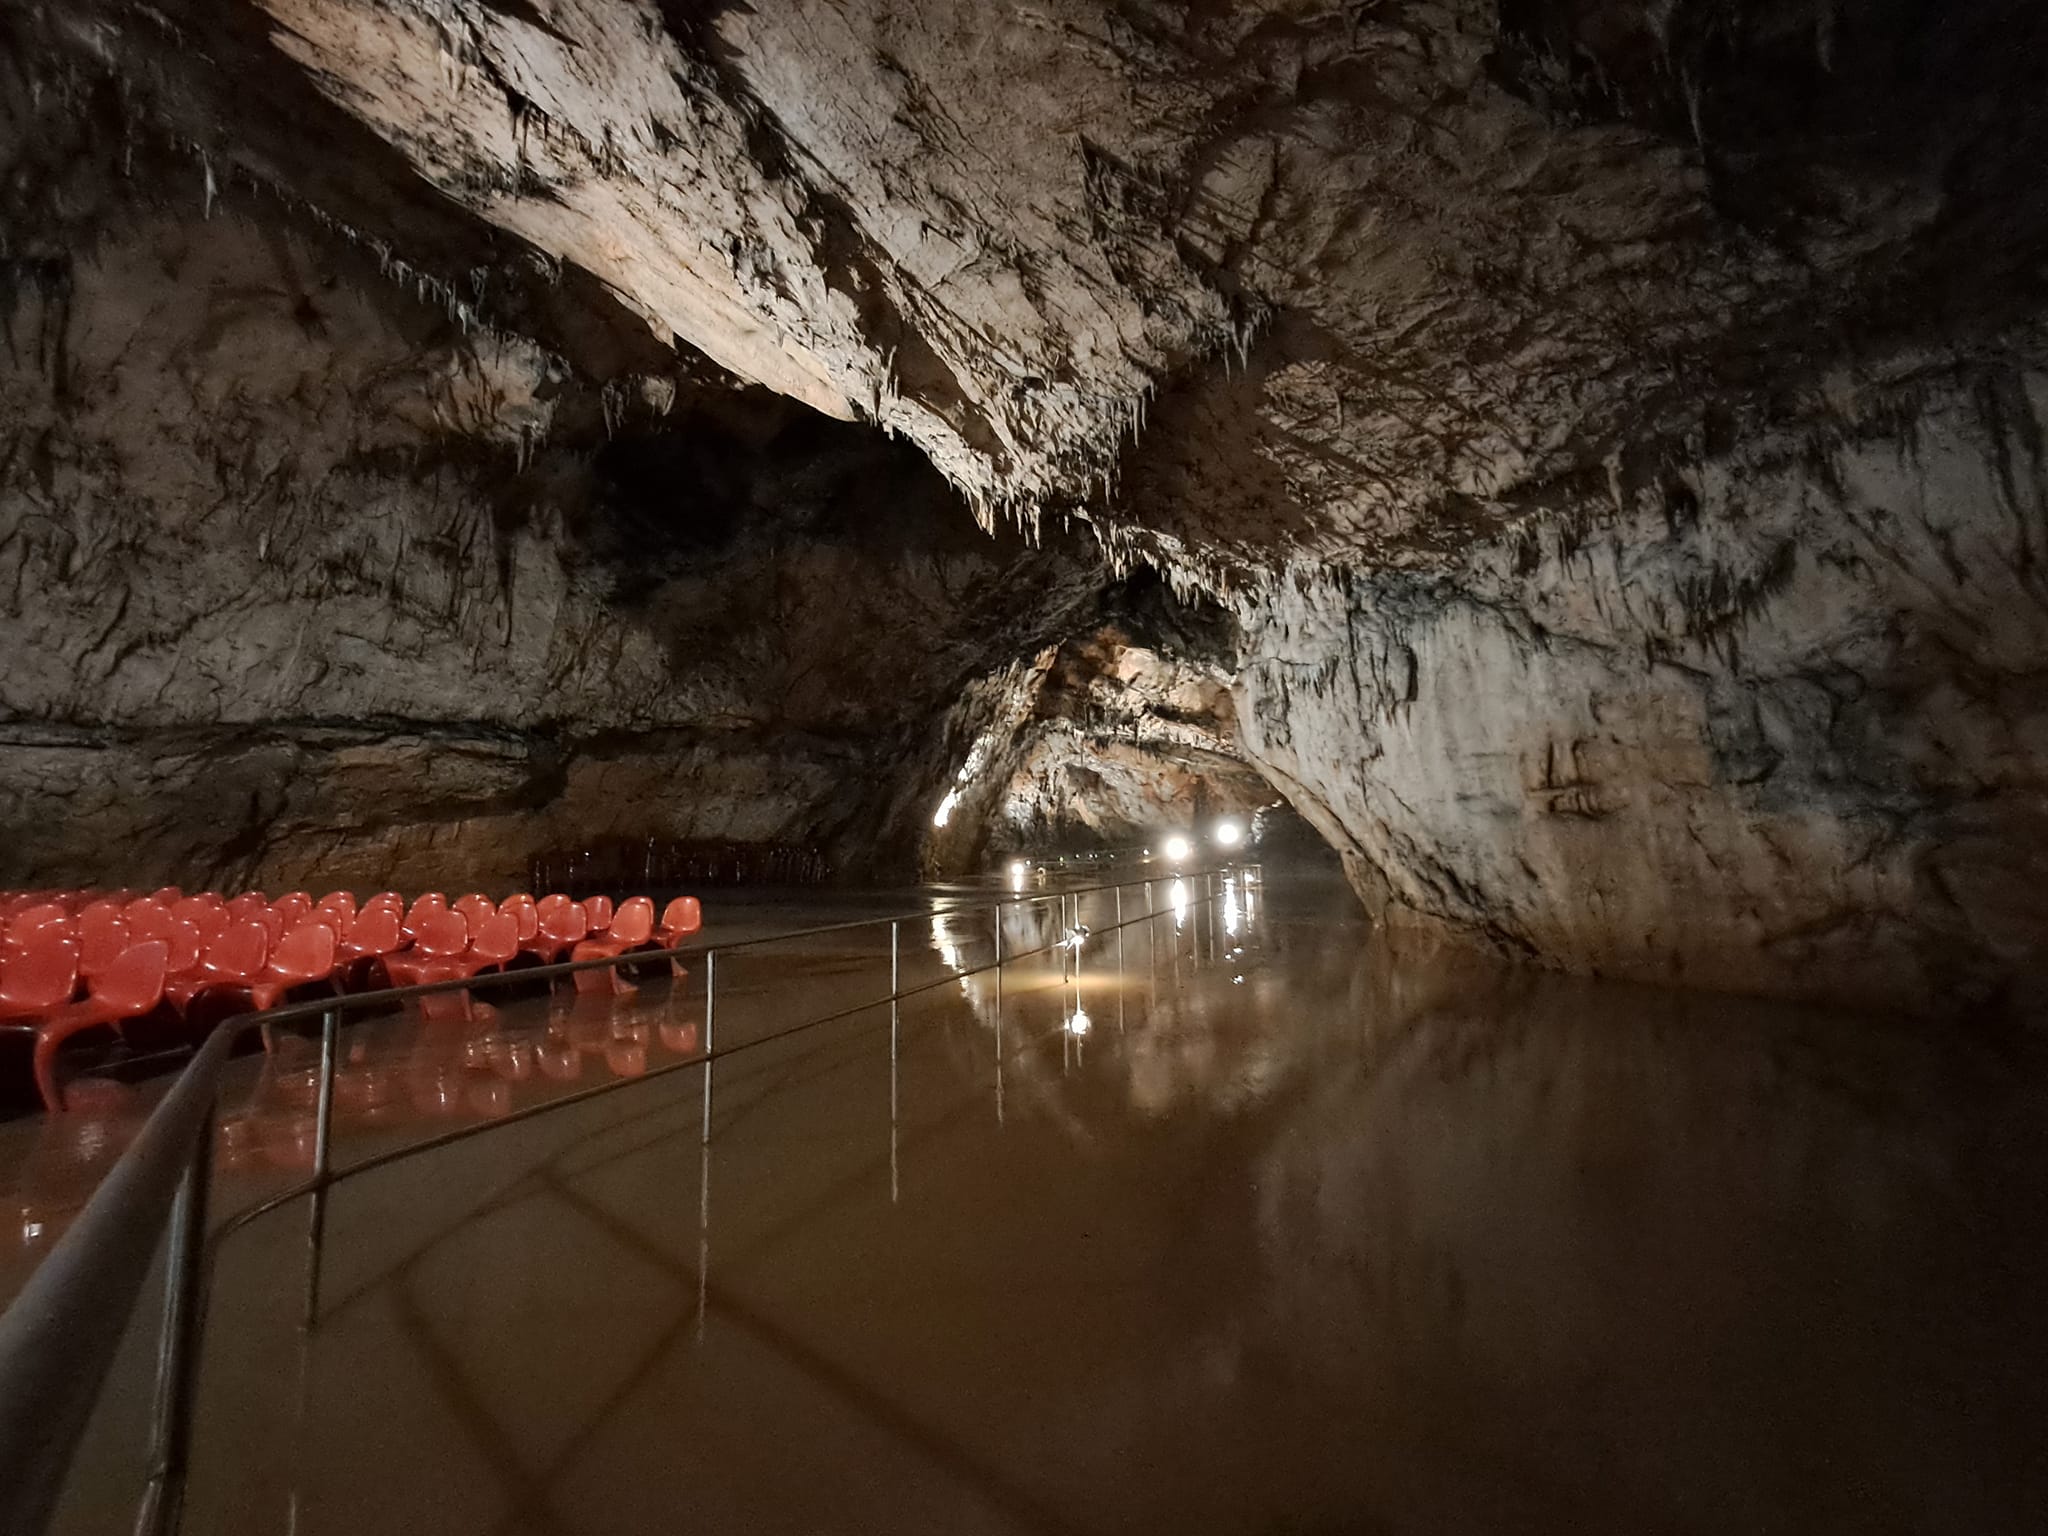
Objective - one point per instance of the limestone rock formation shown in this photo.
(1612, 428)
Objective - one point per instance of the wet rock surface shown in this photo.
(1612, 430)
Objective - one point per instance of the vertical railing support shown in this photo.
(178, 1342)
(710, 1021)
(323, 1162)
(895, 1032)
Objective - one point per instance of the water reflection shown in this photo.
(1304, 1239)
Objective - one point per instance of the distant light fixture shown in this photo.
(1178, 848)
(945, 811)
(1079, 1024)
(1228, 834)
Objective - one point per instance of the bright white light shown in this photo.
(945, 811)
(1228, 834)
(1230, 907)
(1178, 848)
(1080, 1023)
(1018, 870)
(1179, 897)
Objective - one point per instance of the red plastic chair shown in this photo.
(438, 944)
(375, 935)
(630, 929)
(305, 954)
(493, 943)
(296, 906)
(679, 919)
(248, 907)
(166, 895)
(132, 986)
(523, 910)
(40, 977)
(426, 906)
(233, 957)
(561, 929)
(343, 902)
(598, 910)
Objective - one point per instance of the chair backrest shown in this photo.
(476, 907)
(34, 918)
(237, 952)
(441, 933)
(183, 942)
(166, 894)
(522, 910)
(102, 937)
(634, 922)
(565, 924)
(387, 899)
(598, 912)
(337, 901)
(148, 919)
(248, 905)
(496, 939)
(424, 907)
(376, 931)
(683, 915)
(134, 983)
(42, 974)
(304, 954)
(554, 901)
(296, 907)
(206, 912)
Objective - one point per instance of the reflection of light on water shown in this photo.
(1179, 897)
(944, 813)
(1079, 1023)
(1230, 913)
(949, 952)
(1018, 870)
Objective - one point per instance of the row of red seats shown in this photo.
(74, 961)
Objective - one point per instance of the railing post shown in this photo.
(895, 1030)
(710, 1017)
(999, 1012)
(323, 1161)
(178, 1343)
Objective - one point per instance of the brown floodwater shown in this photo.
(1287, 1236)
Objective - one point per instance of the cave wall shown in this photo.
(1774, 721)
(310, 582)
(1612, 426)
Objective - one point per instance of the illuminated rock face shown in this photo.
(1613, 429)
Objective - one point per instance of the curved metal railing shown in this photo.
(59, 1335)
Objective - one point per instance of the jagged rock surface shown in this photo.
(1614, 426)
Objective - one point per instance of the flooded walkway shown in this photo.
(1245, 1229)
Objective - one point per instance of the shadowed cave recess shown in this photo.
(1583, 458)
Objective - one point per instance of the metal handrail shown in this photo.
(59, 1336)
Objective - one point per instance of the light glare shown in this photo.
(1178, 848)
(1228, 834)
